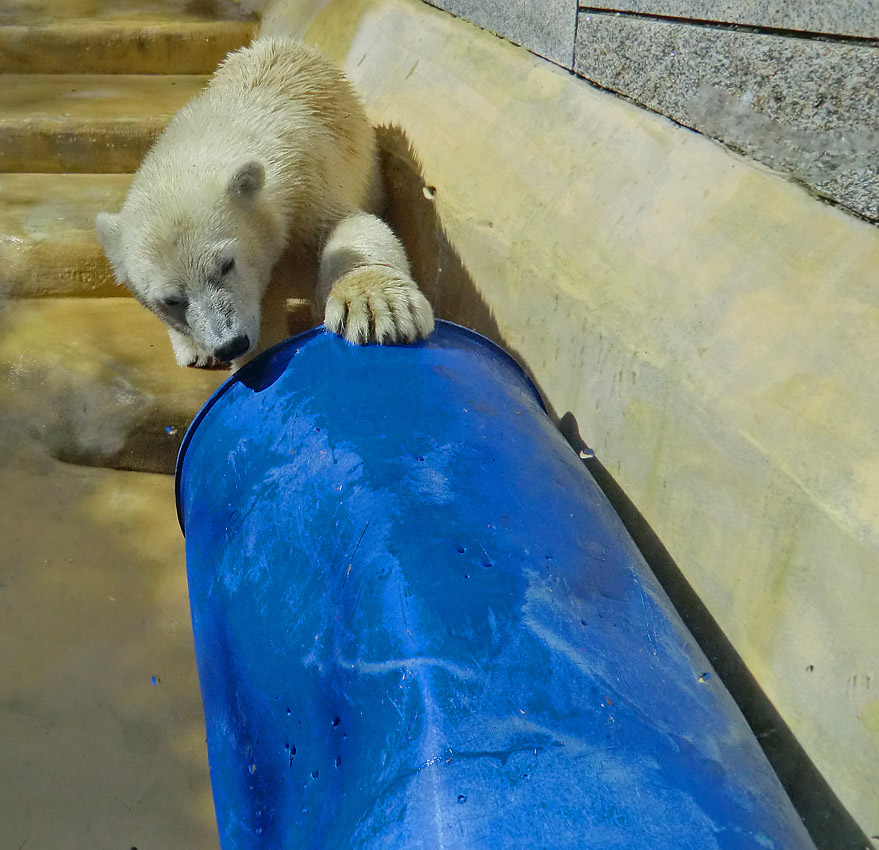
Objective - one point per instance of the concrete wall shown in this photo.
(707, 325)
(795, 85)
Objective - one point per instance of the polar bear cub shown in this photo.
(277, 151)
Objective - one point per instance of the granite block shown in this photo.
(805, 107)
(545, 28)
(858, 18)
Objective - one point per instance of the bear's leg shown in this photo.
(366, 285)
(187, 352)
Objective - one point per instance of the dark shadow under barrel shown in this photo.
(420, 625)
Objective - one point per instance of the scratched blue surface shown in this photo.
(419, 624)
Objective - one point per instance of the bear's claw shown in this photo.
(378, 304)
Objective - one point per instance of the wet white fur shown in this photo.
(276, 152)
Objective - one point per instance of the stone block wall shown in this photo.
(793, 85)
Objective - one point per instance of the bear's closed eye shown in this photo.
(174, 302)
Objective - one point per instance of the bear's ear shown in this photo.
(247, 180)
(110, 233)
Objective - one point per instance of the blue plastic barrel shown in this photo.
(420, 625)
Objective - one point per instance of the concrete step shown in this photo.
(156, 46)
(43, 12)
(48, 243)
(119, 36)
(94, 381)
(86, 123)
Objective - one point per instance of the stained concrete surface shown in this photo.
(93, 606)
(102, 389)
(38, 13)
(121, 36)
(101, 726)
(49, 245)
(105, 46)
(66, 123)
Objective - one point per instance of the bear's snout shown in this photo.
(234, 348)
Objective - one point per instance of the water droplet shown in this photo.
(252, 769)
(461, 550)
(336, 722)
(462, 798)
(338, 761)
(705, 677)
(315, 773)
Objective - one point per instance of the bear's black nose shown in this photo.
(232, 349)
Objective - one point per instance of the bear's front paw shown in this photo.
(378, 304)
(187, 353)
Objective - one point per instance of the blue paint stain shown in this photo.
(348, 606)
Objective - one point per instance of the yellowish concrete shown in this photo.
(134, 46)
(48, 12)
(48, 243)
(93, 600)
(94, 381)
(83, 123)
(712, 327)
(93, 604)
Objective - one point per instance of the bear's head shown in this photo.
(199, 257)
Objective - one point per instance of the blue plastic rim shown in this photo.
(270, 363)
(419, 623)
